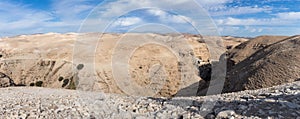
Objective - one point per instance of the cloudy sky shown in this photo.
(229, 17)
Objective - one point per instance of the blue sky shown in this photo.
(231, 17)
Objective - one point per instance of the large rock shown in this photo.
(5, 81)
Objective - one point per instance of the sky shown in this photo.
(245, 18)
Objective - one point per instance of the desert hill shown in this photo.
(47, 60)
(272, 64)
(84, 62)
(64, 60)
(247, 48)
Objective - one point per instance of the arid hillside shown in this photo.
(247, 48)
(271, 61)
(84, 61)
(94, 63)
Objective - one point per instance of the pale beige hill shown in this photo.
(39, 60)
(143, 59)
(271, 65)
(84, 61)
(246, 49)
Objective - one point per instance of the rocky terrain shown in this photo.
(148, 76)
(30, 103)
(84, 61)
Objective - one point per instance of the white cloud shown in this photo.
(280, 19)
(252, 21)
(289, 15)
(282, 22)
(253, 29)
(112, 8)
(220, 8)
(239, 11)
(157, 12)
(63, 16)
(214, 2)
(235, 21)
(70, 9)
(15, 17)
(170, 18)
(127, 21)
(67, 15)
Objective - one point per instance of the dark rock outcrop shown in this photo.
(5, 81)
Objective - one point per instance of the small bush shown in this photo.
(229, 47)
(65, 83)
(31, 84)
(39, 83)
(80, 66)
(60, 78)
(72, 85)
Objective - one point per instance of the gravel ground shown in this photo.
(28, 102)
